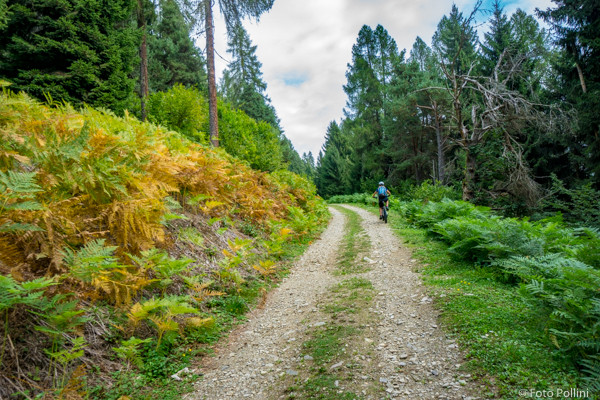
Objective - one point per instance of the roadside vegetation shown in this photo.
(126, 250)
(520, 295)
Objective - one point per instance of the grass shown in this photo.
(504, 343)
(354, 243)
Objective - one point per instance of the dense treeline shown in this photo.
(140, 56)
(511, 119)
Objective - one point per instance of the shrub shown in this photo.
(433, 212)
(180, 109)
(580, 204)
(427, 192)
(485, 240)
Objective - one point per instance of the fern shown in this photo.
(17, 195)
(165, 267)
(161, 312)
(591, 367)
(96, 265)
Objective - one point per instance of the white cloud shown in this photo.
(305, 47)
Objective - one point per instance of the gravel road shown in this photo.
(413, 358)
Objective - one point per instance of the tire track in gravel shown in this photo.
(417, 359)
(412, 357)
(252, 361)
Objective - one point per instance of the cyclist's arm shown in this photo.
(374, 194)
(389, 193)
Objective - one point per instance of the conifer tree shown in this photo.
(334, 167)
(76, 51)
(373, 57)
(497, 40)
(234, 12)
(173, 57)
(577, 26)
(242, 83)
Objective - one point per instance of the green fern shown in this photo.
(165, 267)
(91, 260)
(17, 194)
(591, 367)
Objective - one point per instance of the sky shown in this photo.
(305, 47)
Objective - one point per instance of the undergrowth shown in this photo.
(126, 249)
(521, 296)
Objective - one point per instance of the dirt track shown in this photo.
(410, 357)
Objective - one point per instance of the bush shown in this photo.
(356, 198)
(180, 109)
(425, 216)
(580, 205)
(485, 240)
(256, 142)
(427, 192)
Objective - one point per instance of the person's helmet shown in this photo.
(380, 183)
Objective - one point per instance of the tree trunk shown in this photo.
(440, 144)
(469, 179)
(581, 78)
(212, 85)
(144, 59)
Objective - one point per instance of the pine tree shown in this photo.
(455, 42)
(497, 40)
(3, 13)
(290, 156)
(173, 57)
(577, 26)
(242, 83)
(76, 51)
(234, 11)
(373, 57)
(333, 173)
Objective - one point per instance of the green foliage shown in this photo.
(564, 294)
(426, 216)
(484, 240)
(165, 267)
(87, 51)
(180, 109)
(545, 256)
(91, 260)
(356, 198)
(193, 236)
(256, 142)
(17, 191)
(579, 204)
(161, 312)
(130, 351)
(172, 56)
(433, 192)
(242, 83)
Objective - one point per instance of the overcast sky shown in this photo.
(305, 47)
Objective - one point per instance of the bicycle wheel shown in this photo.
(385, 215)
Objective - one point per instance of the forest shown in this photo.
(508, 117)
(145, 207)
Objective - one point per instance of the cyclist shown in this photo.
(383, 193)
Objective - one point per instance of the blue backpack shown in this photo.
(382, 190)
